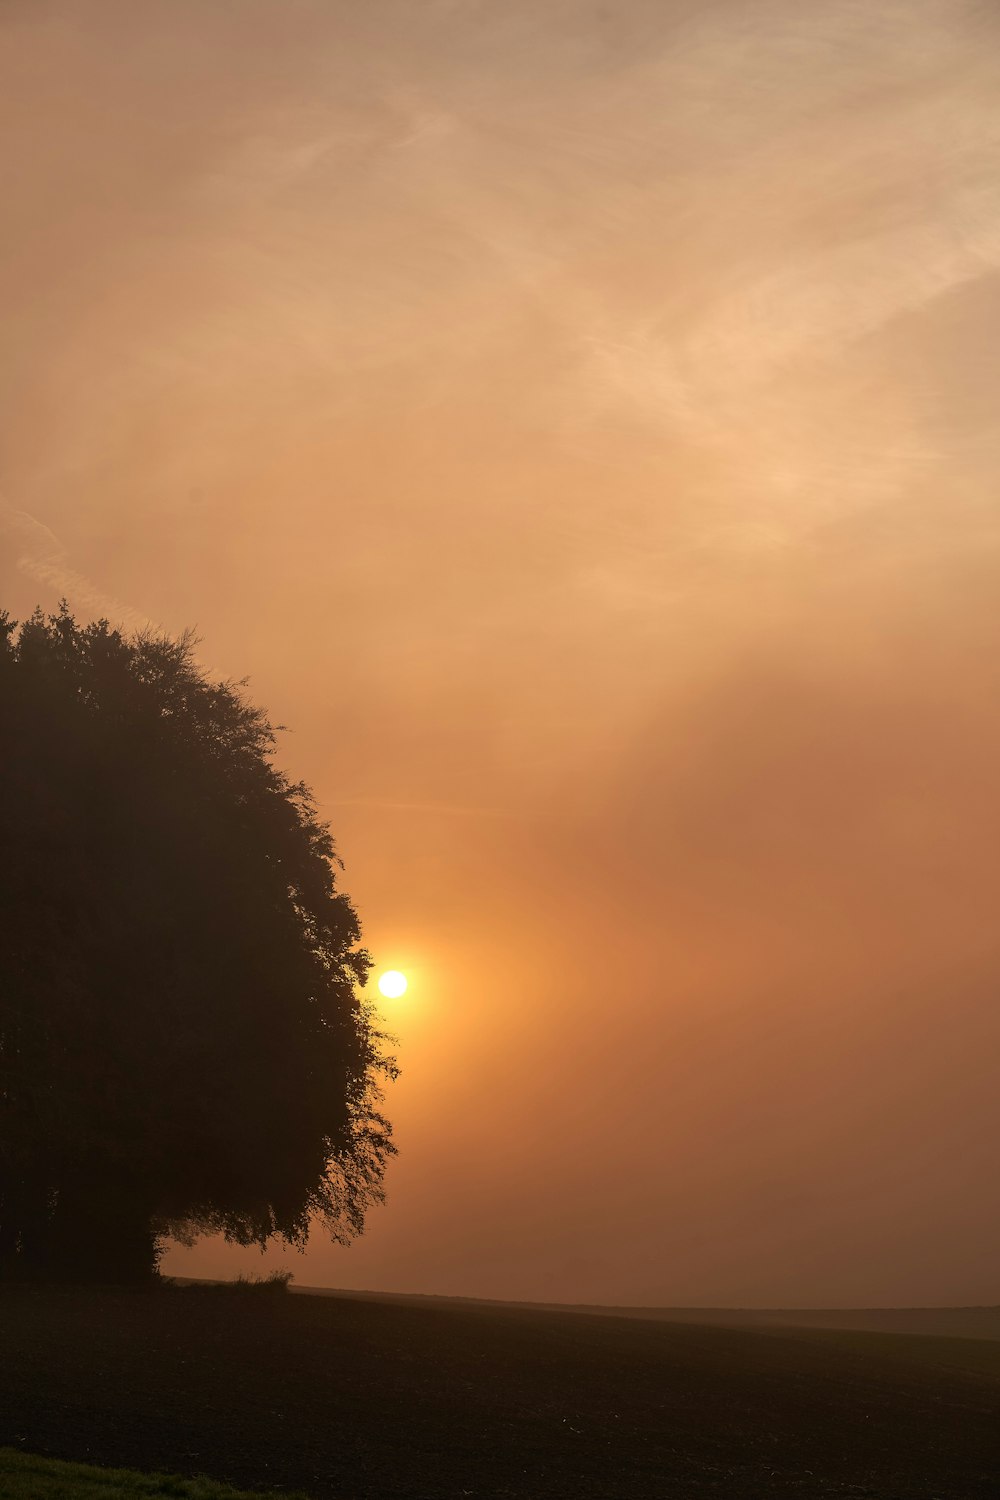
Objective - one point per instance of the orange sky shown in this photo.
(579, 423)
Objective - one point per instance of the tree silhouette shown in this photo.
(182, 1043)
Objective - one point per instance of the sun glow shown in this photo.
(392, 984)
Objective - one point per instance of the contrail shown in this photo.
(39, 554)
(450, 809)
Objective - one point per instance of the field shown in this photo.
(944, 1322)
(353, 1397)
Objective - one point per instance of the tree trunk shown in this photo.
(96, 1229)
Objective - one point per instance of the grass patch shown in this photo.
(24, 1476)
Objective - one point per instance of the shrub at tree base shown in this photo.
(183, 1047)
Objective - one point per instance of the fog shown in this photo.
(578, 422)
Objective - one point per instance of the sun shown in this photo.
(392, 984)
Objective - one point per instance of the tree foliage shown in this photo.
(182, 1041)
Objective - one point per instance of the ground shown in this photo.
(349, 1399)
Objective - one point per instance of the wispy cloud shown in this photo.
(40, 555)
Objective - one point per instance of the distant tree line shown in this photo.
(183, 1045)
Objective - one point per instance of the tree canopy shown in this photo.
(183, 1044)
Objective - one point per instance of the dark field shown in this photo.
(944, 1322)
(353, 1397)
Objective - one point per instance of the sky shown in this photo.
(577, 421)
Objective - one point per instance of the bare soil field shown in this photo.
(943, 1322)
(361, 1398)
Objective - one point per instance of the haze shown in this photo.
(579, 423)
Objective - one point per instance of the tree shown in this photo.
(183, 1046)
